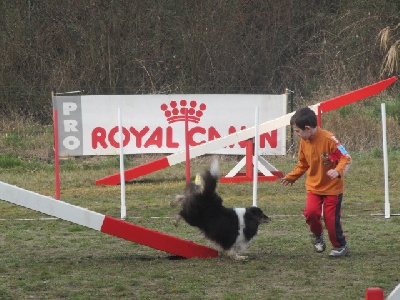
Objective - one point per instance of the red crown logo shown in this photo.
(175, 113)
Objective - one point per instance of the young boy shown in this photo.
(326, 161)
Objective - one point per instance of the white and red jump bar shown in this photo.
(196, 151)
(246, 134)
(103, 223)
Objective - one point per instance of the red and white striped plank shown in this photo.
(356, 95)
(245, 134)
(103, 223)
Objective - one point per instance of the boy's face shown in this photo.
(303, 134)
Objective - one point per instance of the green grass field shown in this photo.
(55, 259)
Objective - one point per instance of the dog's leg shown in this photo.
(178, 200)
(177, 219)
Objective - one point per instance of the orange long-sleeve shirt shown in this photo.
(316, 156)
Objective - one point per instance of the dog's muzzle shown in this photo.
(265, 219)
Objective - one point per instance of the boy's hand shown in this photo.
(332, 173)
(285, 181)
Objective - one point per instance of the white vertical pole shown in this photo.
(255, 158)
(121, 165)
(385, 161)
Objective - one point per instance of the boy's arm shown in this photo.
(301, 167)
(297, 172)
(343, 159)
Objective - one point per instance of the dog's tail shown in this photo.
(214, 167)
(210, 178)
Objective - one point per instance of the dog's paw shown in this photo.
(240, 257)
(233, 255)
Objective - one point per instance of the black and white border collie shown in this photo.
(230, 229)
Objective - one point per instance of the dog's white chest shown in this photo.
(240, 213)
(241, 242)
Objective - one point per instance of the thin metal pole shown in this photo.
(385, 161)
(255, 158)
(56, 150)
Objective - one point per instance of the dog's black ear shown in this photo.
(257, 213)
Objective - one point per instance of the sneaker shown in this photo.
(319, 244)
(341, 251)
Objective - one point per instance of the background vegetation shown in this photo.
(318, 48)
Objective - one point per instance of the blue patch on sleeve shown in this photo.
(342, 149)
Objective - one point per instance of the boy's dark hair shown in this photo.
(304, 117)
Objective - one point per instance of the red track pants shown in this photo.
(332, 210)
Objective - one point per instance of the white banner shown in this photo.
(88, 125)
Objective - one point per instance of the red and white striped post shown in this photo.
(187, 148)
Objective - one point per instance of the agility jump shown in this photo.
(103, 223)
(246, 134)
